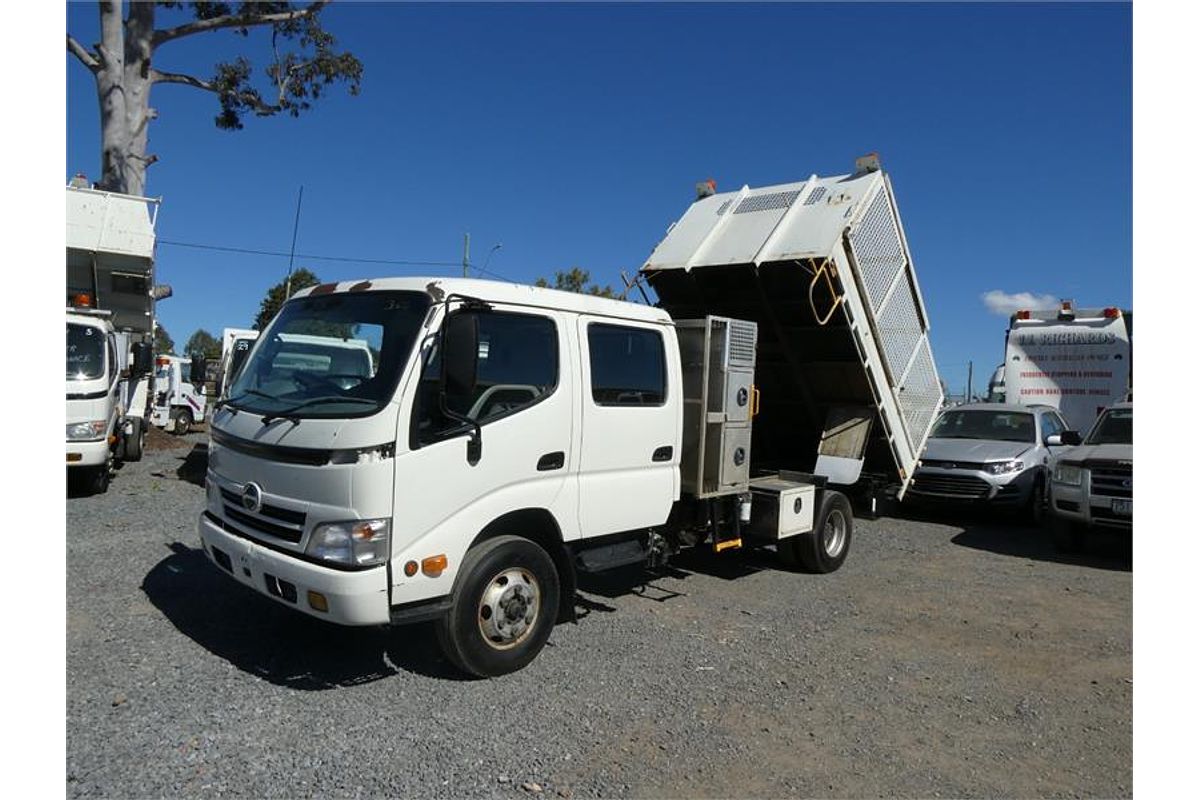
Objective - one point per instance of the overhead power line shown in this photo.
(345, 259)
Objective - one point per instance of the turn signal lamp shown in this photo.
(410, 568)
(317, 601)
(434, 565)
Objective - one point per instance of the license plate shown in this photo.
(1123, 507)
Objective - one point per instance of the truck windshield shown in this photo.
(1003, 426)
(85, 352)
(331, 355)
(1114, 427)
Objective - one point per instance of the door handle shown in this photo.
(663, 453)
(551, 461)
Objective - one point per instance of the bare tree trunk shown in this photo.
(123, 82)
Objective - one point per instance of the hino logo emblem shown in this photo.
(252, 497)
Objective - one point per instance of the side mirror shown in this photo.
(460, 355)
(1070, 438)
(143, 358)
(198, 372)
(1054, 440)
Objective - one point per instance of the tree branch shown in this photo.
(81, 52)
(235, 21)
(158, 76)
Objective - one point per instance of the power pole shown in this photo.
(970, 378)
(466, 254)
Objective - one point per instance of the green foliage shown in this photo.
(297, 77)
(204, 343)
(275, 296)
(164, 345)
(577, 280)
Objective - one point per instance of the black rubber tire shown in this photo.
(1035, 508)
(460, 633)
(96, 479)
(136, 440)
(1068, 535)
(807, 551)
(181, 421)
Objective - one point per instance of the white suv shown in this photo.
(1092, 484)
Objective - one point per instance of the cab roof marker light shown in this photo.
(1112, 313)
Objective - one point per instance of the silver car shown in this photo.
(993, 453)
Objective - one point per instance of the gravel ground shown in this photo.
(946, 658)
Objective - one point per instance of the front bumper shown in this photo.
(354, 598)
(1078, 504)
(87, 454)
(936, 484)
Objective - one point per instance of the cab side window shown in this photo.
(1051, 425)
(517, 366)
(629, 365)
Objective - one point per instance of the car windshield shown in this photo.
(85, 352)
(331, 355)
(1115, 426)
(1004, 426)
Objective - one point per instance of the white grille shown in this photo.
(816, 196)
(877, 249)
(742, 339)
(764, 202)
(724, 207)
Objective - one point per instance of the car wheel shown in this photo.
(503, 607)
(1035, 510)
(824, 548)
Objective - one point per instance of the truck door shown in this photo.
(631, 432)
(524, 402)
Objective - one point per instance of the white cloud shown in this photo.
(1006, 304)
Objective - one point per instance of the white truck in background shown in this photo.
(1079, 360)
(179, 400)
(510, 437)
(110, 328)
(235, 346)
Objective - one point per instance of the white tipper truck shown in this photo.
(235, 346)
(511, 436)
(110, 328)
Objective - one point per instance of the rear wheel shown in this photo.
(503, 607)
(824, 548)
(181, 421)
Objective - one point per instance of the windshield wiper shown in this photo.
(289, 413)
(228, 401)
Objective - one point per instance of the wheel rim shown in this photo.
(833, 536)
(508, 608)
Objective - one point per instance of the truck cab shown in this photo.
(93, 395)
(179, 401)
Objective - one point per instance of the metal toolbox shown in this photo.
(781, 508)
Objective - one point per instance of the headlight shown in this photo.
(87, 431)
(1068, 474)
(356, 543)
(1005, 467)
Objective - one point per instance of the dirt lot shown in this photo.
(951, 656)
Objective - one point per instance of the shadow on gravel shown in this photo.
(194, 466)
(636, 580)
(261, 637)
(1010, 536)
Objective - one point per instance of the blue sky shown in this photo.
(574, 135)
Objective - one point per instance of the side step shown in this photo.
(610, 556)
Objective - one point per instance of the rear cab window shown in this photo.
(628, 365)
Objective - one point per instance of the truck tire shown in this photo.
(503, 607)
(1068, 535)
(823, 549)
(136, 440)
(181, 421)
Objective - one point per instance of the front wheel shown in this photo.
(503, 607)
(824, 548)
(135, 442)
(181, 421)
(1036, 510)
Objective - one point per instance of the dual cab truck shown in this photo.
(510, 437)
